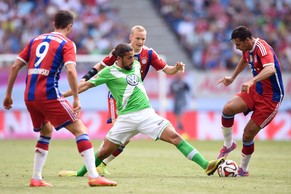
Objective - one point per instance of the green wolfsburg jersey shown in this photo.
(126, 87)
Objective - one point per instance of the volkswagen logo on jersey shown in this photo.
(132, 80)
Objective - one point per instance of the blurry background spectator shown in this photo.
(97, 28)
(204, 27)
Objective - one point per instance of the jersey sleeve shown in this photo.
(101, 77)
(109, 60)
(69, 53)
(157, 62)
(265, 54)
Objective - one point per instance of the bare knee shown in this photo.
(228, 109)
(77, 128)
(171, 136)
(234, 106)
(47, 130)
(175, 139)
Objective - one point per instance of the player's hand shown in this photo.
(180, 66)
(76, 106)
(7, 103)
(226, 81)
(246, 86)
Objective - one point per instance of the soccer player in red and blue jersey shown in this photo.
(261, 95)
(147, 58)
(45, 56)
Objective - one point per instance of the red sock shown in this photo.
(248, 147)
(118, 151)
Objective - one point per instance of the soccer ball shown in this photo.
(228, 169)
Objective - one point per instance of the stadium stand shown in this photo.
(97, 28)
(204, 27)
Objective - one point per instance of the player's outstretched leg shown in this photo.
(192, 154)
(213, 165)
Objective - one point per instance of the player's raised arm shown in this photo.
(239, 68)
(72, 78)
(83, 86)
(170, 70)
(95, 69)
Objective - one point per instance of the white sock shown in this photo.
(108, 159)
(244, 162)
(40, 156)
(89, 161)
(227, 136)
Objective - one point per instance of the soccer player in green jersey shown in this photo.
(135, 114)
(148, 59)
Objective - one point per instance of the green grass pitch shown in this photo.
(147, 167)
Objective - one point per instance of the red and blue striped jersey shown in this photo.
(147, 57)
(45, 57)
(262, 54)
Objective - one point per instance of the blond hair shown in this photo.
(138, 28)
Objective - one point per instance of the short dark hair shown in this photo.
(121, 49)
(63, 18)
(241, 33)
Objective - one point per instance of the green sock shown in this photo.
(192, 154)
(83, 170)
(97, 161)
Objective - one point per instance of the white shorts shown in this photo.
(144, 121)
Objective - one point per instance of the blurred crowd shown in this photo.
(204, 28)
(96, 28)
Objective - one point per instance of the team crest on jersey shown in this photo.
(144, 60)
(132, 80)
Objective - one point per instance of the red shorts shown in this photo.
(58, 112)
(264, 109)
(112, 111)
